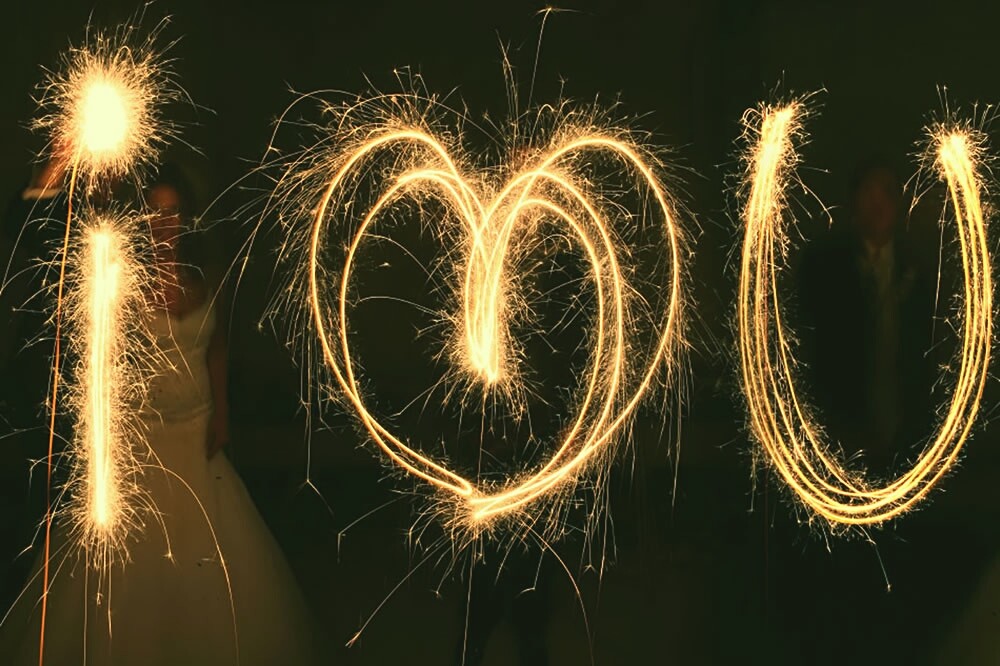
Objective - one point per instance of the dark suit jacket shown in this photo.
(839, 308)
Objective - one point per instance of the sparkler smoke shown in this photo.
(780, 420)
(586, 176)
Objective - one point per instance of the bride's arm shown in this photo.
(218, 430)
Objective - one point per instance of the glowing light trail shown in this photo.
(103, 295)
(104, 306)
(102, 115)
(492, 223)
(779, 419)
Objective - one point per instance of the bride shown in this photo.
(174, 601)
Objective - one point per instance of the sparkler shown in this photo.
(780, 420)
(102, 115)
(393, 140)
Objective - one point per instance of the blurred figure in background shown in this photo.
(868, 309)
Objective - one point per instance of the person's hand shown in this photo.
(53, 172)
(218, 433)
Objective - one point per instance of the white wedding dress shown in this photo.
(171, 605)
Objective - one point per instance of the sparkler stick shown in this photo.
(492, 223)
(780, 420)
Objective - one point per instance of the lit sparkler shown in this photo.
(780, 420)
(103, 108)
(102, 116)
(413, 162)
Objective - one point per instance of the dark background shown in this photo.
(718, 572)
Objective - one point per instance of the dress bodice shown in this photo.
(179, 386)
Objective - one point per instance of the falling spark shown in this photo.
(780, 421)
(554, 181)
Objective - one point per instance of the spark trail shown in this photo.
(781, 422)
(393, 150)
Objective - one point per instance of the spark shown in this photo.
(486, 226)
(780, 420)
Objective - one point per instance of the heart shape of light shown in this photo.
(552, 185)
